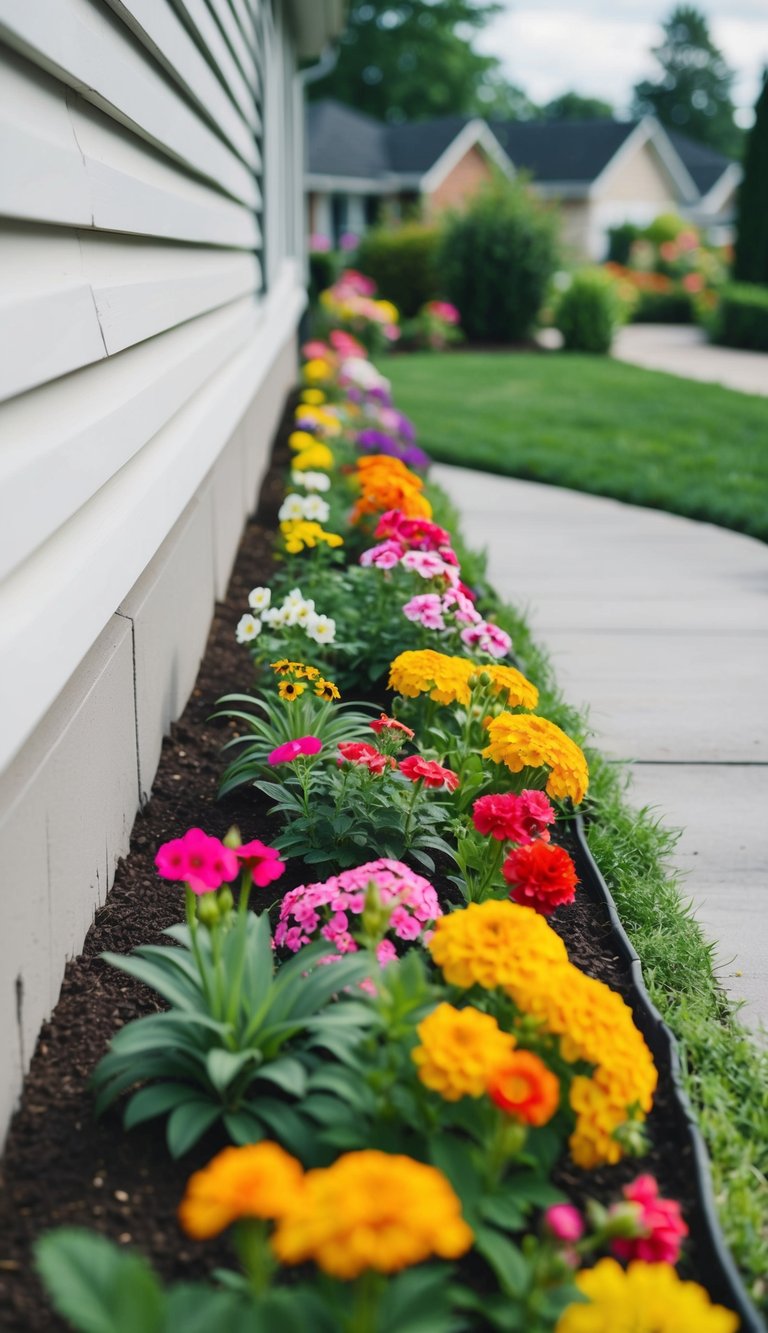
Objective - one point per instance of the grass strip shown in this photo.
(725, 1072)
(594, 425)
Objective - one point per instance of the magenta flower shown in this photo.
(263, 862)
(564, 1222)
(290, 750)
(202, 862)
(660, 1225)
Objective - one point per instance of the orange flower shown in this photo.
(525, 1088)
(258, 1180)
(386, 483)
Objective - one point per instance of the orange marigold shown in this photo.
(459, 1050)
(258, 1180)
(523, 740)
(495, 944)
(372, 1210)
(386, 483)
(525, 1088)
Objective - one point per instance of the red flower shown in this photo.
(659, 1221)
(263, 862)
(385, 723)
(429, 772)
(543, 876)
(525, 1088)
(357, 752)
(511, 818)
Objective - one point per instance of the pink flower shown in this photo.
(444, 310)
(314, 350)
(343, 343)
(669, 251)
(203, 862)
(487, 638)
(510, 818)
(660, 1223)
(429, 772)
(564, 1222)
(290, 750)
(385, 556)
(319, 242)
(263, 862)
(386, 952)
(693, 282)
(385, 723)
(425, 610)
(358, 752)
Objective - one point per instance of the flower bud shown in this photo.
(564, 1222)
(232, 838)
(226, 901)
(208, 910)
(625, 1220)
(485, 679)
(375, 915)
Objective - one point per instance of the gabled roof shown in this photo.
(417, 146)
(564, 150)
(704, 164)
(344, 142)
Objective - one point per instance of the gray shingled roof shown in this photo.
(562, 150)
(345, 142)
(704, 164)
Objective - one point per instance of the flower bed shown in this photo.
(504, 1078)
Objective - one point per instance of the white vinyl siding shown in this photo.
(150, 251)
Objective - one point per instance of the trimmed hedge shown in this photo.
(742, 317)
(402, 262)
(589, 312)
(664, 308)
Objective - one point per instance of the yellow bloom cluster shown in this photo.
(317, 370)
(522, 740)
(313, 397)
(300, 439)
(299, 672)
(315, 457)
(255, 1181)
(460, 1049)
(370, 1210)
(299, 533)
(646, 1298)
(499, 944)
(325, 418)
(447, 679)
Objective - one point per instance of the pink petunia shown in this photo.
(429, 772)
(263, 862)
(290, 750)
(201, 861)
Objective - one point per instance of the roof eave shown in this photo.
(315, 23)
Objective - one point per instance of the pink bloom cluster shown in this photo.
(511, 818)
(202, 862)
(443, 310)
(290, 750)
(413, 534)
(343, 343)
(428, 771)
(353, 283)
(488, 638)
(661, 1228)
(327, 908)
(358, 752)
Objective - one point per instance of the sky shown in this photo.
(602, 47)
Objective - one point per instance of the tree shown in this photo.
(751, 258)
(694, 92)
(573, 106)
(411, 59)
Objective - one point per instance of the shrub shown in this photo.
(589, 312)
(496, 261)
(323, 270)
(620, 242)
(672, 307)
(742, 317)
(401, 261)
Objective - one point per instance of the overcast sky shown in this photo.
(602, 46)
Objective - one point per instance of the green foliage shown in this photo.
(621, 240)
(414, 60)
(595, 425)
(401, 261)
(742, 317)
(218, 1048)
(674, 307)
(693, 91)
(589, 312)
(574, 106)
(750, 261)
(496, 261)
(323, 272)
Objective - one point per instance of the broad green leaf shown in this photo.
(157, 1100)
(188, 1123)
(287, 1073)
(159, 977)
(511, 1269)
(502, 1212)
(97, 1287)
(243, 1127)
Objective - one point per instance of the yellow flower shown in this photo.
(447, 679)
(522, 740)
(370, 1210)
(313, 397)
(300, 439)
(290, 690)
(460, 1049)
(318, 457)
(646, 1298)
(300, 532)
(507, 681)
(283, 665)
(389, 312)
(311, 673)
(325, 689)
(259, 1180)
(317, 370)
(495, 944)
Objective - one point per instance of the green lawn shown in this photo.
(594, 425)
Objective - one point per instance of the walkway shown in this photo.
(682, 349)
(660, 626)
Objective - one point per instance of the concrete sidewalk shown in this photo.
(683, 349)
(660, 626)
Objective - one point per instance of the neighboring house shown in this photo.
(359, 169)
(599, 172)
(152, 260)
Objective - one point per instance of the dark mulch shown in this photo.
(60, 1166)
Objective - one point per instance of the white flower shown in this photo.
(292, 508)
(293, 598)
(305, 612)
(356, 370)
(247, 628)
(259, 599)
(311, 481)
(316, 509)
(321, 629)
(274, 616)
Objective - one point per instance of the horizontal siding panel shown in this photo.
(90, 51)
(63, 442)
(206, 33)
(159, 29)
(245, 18)
(72, 585)
(234, 39)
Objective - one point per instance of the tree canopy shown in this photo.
(574, 106)
(693, 92)
(751, 257)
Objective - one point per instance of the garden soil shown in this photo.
(61, 1166)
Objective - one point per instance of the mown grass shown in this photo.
(725, 1072)
(594, 425)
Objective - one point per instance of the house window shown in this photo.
(339, 217)
(371, 207)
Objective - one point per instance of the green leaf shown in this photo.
(417, 1301)
(453, 1157)
(511, 1269)
(243, 1127)
(157, 975)
(157, 1100)
(223, 1067)
(97, 1287)
(502, 1212)
(198, 1308)
(188, 1123)
(287, 1073)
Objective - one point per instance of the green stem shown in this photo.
(409, 811)
(365, 1309)
(233, 999)
(252, 1246)
(192, 926)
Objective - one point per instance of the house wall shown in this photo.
(461, 183)
(150, 242)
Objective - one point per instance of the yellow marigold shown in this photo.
(460, 1049)
(372, 1210)
(523, 740)
(313, 397)
(445, 679)
(520, 692)
(389, 312)
(259, 1180)
(644, 1298)
(495, 944)
(299, 533)
(316, 457)
(317, 370)
(300, 439)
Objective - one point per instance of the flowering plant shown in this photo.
(507, 819)
(285, 629)
(434, 327)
